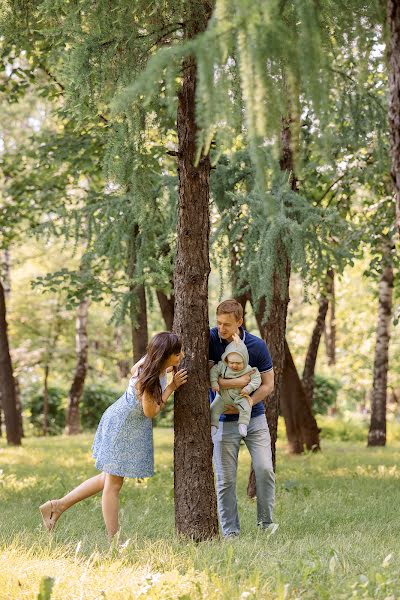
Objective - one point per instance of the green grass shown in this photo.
(339, 534)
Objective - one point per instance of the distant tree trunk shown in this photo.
(7, 386)
(19, 406)
(393, 21)
(311, 357)
(330, 321)
(377, 429)
(167, 308)
(46, 400)
(123, 365)
(138, 306)
(195, 502)
(301, 426)
(81, 346)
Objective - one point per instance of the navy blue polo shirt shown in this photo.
(259, 357)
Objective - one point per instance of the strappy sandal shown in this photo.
(50, 514)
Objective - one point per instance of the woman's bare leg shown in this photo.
(88, 488)
(52, 510)
(110, 502)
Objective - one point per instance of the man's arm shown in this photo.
(236, 382)
(265, 389)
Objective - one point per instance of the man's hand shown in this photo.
(237, 382)
(215, 387)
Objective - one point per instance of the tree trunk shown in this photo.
(311, 357)
(18, 404)
(195, 503)
(46, 400)
(167, 308)
(301, 426)
(393, 21)
(377, 429)
(138, 306)
(7, 386)
(123, 365)
(330, 321)
(274, 328)
(82, 346)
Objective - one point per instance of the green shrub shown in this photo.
(95, 400)
(166, 416)
(325, 394)
(57, 403)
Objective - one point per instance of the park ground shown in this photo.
(338, 511)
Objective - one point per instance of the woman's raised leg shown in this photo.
(110, 502)
(52, 510)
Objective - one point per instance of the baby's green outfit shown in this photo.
(229, 396)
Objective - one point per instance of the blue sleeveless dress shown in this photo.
(123, 444)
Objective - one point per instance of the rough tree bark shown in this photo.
(167, 308)
(377, 429)
(393, 21)
(195, 502)
(82, 347)
(7, 386)
(138, 306)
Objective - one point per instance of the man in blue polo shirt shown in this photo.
(227, 439)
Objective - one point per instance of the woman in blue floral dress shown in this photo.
(123, 444)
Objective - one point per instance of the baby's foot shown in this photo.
(243, 430)
(214, 430)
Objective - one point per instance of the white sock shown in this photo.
(243, 429)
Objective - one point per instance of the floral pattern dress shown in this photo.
(123, 444)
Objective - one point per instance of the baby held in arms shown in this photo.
(234, 363)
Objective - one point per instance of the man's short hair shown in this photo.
(231, 306)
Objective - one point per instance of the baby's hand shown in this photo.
(236, 338)
(215, 387)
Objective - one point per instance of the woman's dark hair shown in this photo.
(160, 348)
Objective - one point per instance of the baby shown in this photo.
(234, 363)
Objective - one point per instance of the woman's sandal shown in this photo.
(50, 514)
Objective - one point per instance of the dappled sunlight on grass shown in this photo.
(337, 510)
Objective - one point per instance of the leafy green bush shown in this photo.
(325, 394)
(166, 416)
(95, 400)
(57, 403)
(344, 430)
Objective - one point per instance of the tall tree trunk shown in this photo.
(138, 306)
(377, 429)
(393, 21)
(7, 386)
(195, 502)
(301, 426)
(82, 347)
(311, 357)
(167, 308)
(273, 329)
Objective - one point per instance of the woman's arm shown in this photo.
(150, 407)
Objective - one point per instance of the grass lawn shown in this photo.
(339, 535)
